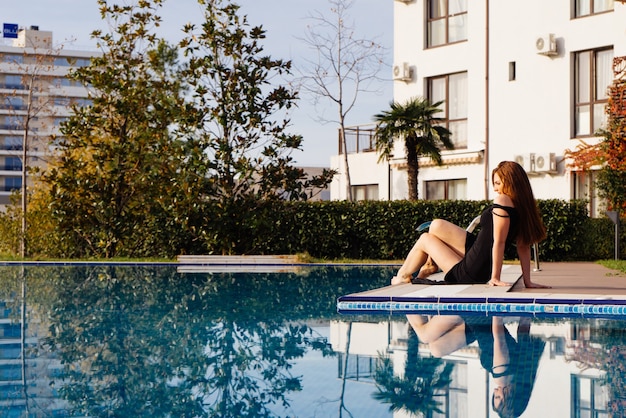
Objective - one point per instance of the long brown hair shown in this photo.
(516, 185)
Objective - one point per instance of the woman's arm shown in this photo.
(501, 223)
(523, 252)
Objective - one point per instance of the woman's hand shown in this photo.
(531, 285)
(497, 282)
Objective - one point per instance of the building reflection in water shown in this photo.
(561, 367)
(114, 339)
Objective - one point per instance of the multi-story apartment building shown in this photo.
(35, 97)
(523, 81)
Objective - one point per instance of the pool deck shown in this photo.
(577, 289)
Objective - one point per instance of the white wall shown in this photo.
(532, 114)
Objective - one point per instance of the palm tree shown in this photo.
(415, 122)
(419, 390)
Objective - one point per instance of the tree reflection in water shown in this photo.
(417, 389)
(147, 341)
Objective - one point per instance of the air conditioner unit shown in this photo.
(545, 163)
(546, 45)
(524, 161)
(402, 72)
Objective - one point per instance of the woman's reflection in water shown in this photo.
(512, 362)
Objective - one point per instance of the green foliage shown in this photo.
(374, 230)
(611, 184)
(566, 223)
(11, 228)
(171, 157)
(111, 185)
(419, 390)
(149, 341)
(416, 123)
(233, 112)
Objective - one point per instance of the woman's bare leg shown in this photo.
(430, 267)
(443, 334)
(427, 245)
(453, 235)
(443, 245)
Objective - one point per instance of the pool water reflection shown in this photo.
(135, 341)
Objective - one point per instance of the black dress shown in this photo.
(475, 267)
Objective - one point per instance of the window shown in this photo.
(61, 101)
(13, 58)
(590, 397)
(10, 331)
(447, 22)
(10, 351)
(591, 7)
(12, 122)
(453, 398)
(10, 372)
(12, 164)
(446, 189)
(583, 184)
(512, 74)
(452, 90)
(63, 61)
(12, 183)
(13, 82)
(13, 103)
(12, 143)
(365, 192)
(593, 74)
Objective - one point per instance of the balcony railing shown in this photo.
(10, 86)
(11, 127)
(11, 147)
(9, 187)
(8, 106)
(358, 139)
(11, 167)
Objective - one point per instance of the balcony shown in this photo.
(358, 139)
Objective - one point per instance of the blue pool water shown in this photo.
(156, 340)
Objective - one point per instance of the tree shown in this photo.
(233, 114)
(610, 153)
(418, 390)
(111, 184)
(31, 112)
(235, 123)
(612, 177)
(346, 66)
(416, 123)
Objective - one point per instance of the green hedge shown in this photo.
(386, 230)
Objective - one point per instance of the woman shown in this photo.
(468, 258)
(512, 362)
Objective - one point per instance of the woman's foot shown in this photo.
(401, 278)
(427, 269)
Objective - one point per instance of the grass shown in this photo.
(619, 265)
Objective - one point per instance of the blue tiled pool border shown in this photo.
(488, 306)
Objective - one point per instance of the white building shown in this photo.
(563, 387)
(522, 81)
(35, 97)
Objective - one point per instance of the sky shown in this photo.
(72, 22)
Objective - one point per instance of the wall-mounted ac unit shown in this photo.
(544, 162)
(524, 161)
(546, 45)
(403, 72)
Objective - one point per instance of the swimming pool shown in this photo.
(156, 340)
